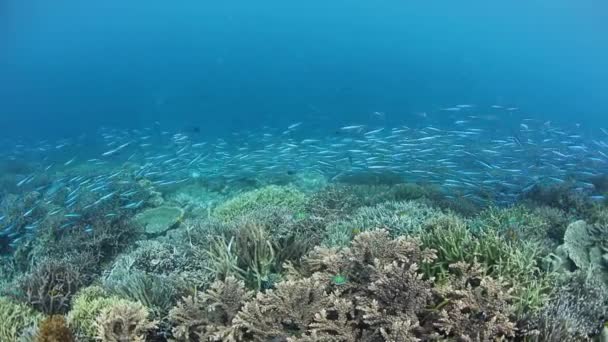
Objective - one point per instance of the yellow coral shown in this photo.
(14, 318)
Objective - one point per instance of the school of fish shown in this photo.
(466, 157)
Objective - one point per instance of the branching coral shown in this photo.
(124, 321)
(15, 318)
(90, 242)
(86, 306)
(576, 311)
(515, 223)
(156, 257)
(382, 294)
(284, 311)
(370, 195)
(333, 202)
(50, 286)
(154, 291)
(515, 261)
(473, 306)
(254, 255)
(209, 315)
(557, 221)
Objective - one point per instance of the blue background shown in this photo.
(69, 67)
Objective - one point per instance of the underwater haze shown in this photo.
(313, 171)
(71, 66)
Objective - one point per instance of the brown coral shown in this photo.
(382, 297)
(50, 287)
(286, 310)
(208, 316)
(472, 307)
(54, 329)
(124, 321)
(372, 291)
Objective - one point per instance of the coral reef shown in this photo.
(583, 253)
(560, 196)
(333, 202)
(254, 255)
(339, 262)
(384, 178)
(382, 294)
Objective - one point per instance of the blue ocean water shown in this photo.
(69, 67)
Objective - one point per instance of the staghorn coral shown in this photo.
(50, 286)
(198, 232)
(371, 195)
(209, 315)
(156, 257)
(516, 223)
(7, 272)
(15, 318)
(473, 307)
(255, 255)
(124, 321)
(519, 263)
(156, 292)
(284, 311)
(86, 250)
(54, 329)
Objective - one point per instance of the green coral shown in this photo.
(86, 306)
(15, 318)
(517, 222)
(514, 261)
(269, 196)
(156, 292)
(400, 218)
(254, 256)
